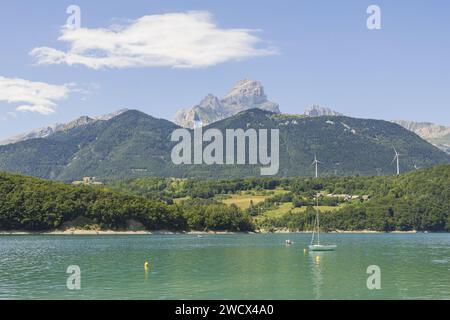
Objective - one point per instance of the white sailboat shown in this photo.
(318, 246)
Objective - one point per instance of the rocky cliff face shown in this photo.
(246, 94)
(425, 130)
(436, 134)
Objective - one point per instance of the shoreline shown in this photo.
(82, 232)
(198, 233)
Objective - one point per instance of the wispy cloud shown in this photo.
(31, 96)
(177, 40)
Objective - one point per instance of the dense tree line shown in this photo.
(417, 200)
(413, 201)
(36, 204)
(211, 215)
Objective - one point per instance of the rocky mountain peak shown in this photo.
(81, 121)
(210, 101)
(245, 94)
(318, 111)
(111, 115)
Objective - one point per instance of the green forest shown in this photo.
(36, 205)
(418, 200)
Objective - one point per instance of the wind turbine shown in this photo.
(316, 162)
(397, 158)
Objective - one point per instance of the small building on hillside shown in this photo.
(88, 181)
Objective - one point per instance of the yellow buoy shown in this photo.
(317, 259)
(146, 265)
(305, 251)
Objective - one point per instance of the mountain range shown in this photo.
(134, 144)
(51, 129)
(246, 94)
(129, 143)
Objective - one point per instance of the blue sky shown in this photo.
(320, 52)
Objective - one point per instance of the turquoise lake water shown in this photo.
(241, 266)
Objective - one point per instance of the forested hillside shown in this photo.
(37, 205)
(417, 200)
(412, 201)
(134, 144)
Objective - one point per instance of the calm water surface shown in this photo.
(413, 266)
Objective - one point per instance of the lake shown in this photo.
(236, 266)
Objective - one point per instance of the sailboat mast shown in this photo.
(313, 231)
(318, 220)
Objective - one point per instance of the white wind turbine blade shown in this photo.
(395, 158)
(395, 150)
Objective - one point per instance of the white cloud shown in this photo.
(177, 40)
(31, 96)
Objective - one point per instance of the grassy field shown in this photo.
(279, 211)
(243, 200)
(283, 209)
